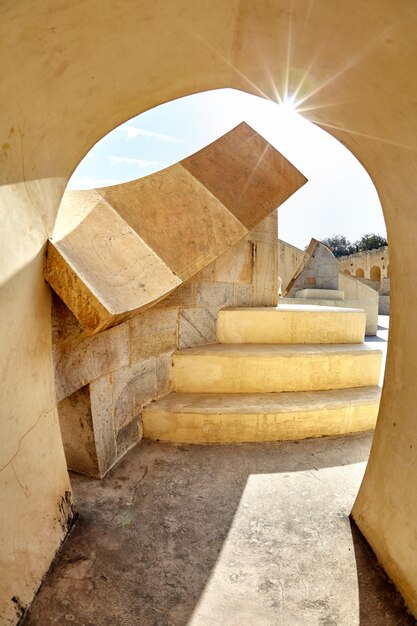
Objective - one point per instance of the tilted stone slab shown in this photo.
(118, 250)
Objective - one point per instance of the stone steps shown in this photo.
(256, 368)
(291, 324)
(229, 418)
(286, 373)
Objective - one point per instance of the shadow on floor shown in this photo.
(156, 534)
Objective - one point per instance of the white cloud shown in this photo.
(88, 182)
(117, 160)
(133, 131)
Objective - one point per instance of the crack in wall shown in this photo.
(10, 461)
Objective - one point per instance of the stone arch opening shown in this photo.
(125, 428)
(360, 273)
(375, 273)
(52, 150)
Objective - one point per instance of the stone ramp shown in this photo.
(118, 250)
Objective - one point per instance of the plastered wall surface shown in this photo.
(73, 71)
(103, 380)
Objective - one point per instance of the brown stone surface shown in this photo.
(245, 173)
(159, 208)
(250, 535)
(235, 265)
(266, 231)
(115, 250)
(265, 274)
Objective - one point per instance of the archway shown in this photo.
(177, 50)
(360, 273)
(375, 273)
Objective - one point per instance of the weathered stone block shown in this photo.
(65, 326)
(152, 333)
(128, 435)
(196, 327)
(183, 296)
(86, 422)
(242, 294)
(265, 274)
(120, 249)
(101, 399)
(164, 374)
(214, 296)
(76, 422)
(133, 386)
(79, 363)
(266, 231)
(235, 265)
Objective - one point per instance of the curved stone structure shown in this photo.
(120, 249)
(71, 72)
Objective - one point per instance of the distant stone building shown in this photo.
(372, 268)
(372, 264)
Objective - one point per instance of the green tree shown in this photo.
(339, 245)
(370, 242)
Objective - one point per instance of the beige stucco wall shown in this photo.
(70, 73)
(365, 261)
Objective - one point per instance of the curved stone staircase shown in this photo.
(286, 373)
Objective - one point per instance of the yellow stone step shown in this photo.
(230, 418)
(291, 324)
(255, 368)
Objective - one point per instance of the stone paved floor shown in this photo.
(250, 534)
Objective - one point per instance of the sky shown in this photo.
(339, 198)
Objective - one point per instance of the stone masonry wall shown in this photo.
(365, 261)
(103, 380)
